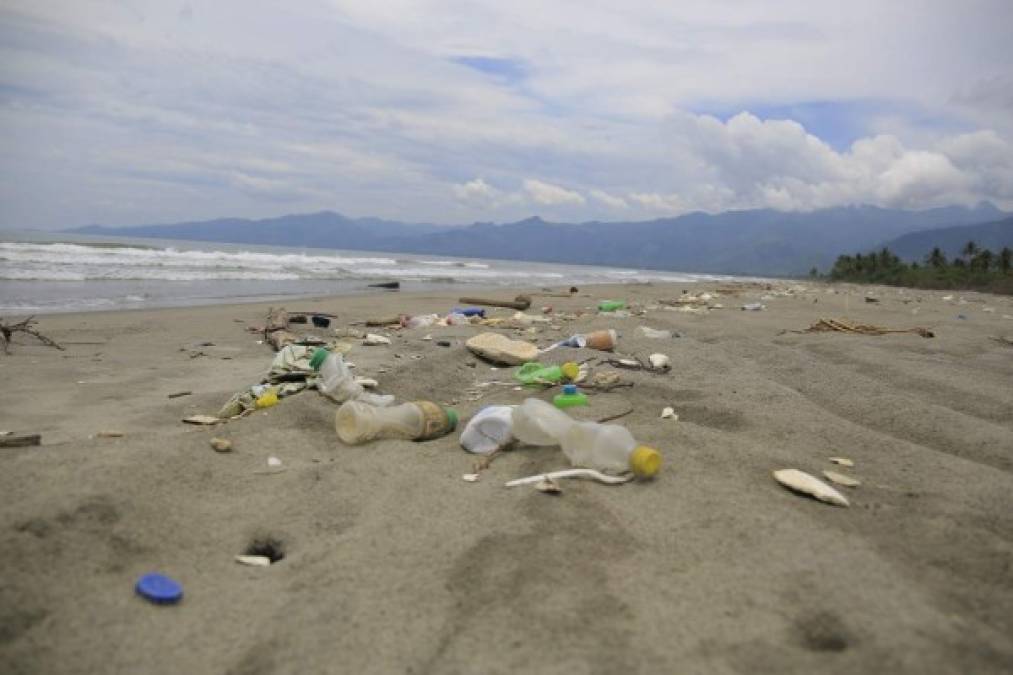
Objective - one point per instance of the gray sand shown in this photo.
(394, 564)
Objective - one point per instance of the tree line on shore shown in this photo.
(975, 268)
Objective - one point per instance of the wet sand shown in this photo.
(393, 563)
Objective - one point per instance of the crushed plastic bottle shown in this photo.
(611, 305)
(536, 373)
(421, 321)
(489, 430)
(570, 397)
(337, 383)
(605, 447)
(457, 319)
(357, 422)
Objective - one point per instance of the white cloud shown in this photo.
(551, 195)
(609, 200)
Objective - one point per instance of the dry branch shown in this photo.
(27, 326)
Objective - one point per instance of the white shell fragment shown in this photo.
(372, 340)
(843, 461)
(660, 361)
(800, 481)
(273, 461)
(841, 479)
(254, 560)
(201, 419)
(470, 477)
(669, 413)
(367, 382)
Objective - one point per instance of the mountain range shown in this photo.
(758, 242)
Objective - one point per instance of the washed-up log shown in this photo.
(20, 441)
(391, 285)
(521, 302)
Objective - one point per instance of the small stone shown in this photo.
(221, 444)
(843, 461)
(841, 479)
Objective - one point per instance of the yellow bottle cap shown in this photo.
(645, 462)
(571, 370)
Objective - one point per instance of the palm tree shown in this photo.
(970, 249)
(982, 261)
(1004, 259)
(937, 258)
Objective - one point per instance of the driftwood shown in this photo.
(521, 302)
(20, 441)
(838, 326)
(390, 285)
(27, 326)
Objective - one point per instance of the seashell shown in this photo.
(841, 479)
(800, 481)
(470, 477)
(660, 361)
(630, 363)
(843, 461)
(549, 486)
(201, 419)
(669, 413)
(373, 340)
(254, 560)
(273, 461)
(367, 382)
(221, 444)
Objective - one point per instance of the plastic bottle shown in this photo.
(605, 447)
(457, 319)
(337, 383)
(611, 305)
(536, 373)
(357, 422)
(470, 311)
(489, 430)
(421, 321)
(569, 398)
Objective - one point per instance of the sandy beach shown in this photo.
(393, 563)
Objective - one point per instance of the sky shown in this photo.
(452, 111)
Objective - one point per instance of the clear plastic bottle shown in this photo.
(357, 422)
(605, 447)
(337, 383)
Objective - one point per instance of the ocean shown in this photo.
(44, 272)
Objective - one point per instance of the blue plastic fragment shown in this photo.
(159, 589)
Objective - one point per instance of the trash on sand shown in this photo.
(367, 382)
(470, 477)
(273, 461)
(373, 340)
(660, 361)
(606, 447)
(357, 422)
(843, 461)
(28, 327)
(754, 307)
(159, 589)
(869, 298)
(268, 398)
(669, 413)
(178, 394)
(444, 343)
(337, 383)
(611, 305)
(602, 340)
(389, 285)
(529, 319)
(254, 560)
(572, 473)
(109, 434)
(456, 319)
(803, 483)
(420, 321)
(488, 430)
(521, 302)
(470, 311)
(570, 397)
(841, 479)
(836, 325)
(202, 419)
(501, 349)
(10, 441)
(221, 444)
(655, 334)
(536, 373)
(548, 486)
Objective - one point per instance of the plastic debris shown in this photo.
(843, 461)
(488, 430)
(273, 461)
(803, 483)
(254, 560)
(470, 477)
(754, 307)
(374, 340)
(669, 413)
(660, 361)
(159, 589)
(202, 419)
(572, 473)
(569, 398)
(655, 334)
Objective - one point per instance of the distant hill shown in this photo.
(915, 245)
(760, 242)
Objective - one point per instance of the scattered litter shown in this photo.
(836, 325)
(754, 307)
(611, 305)
(373, 340)
(8, 440)
(841, 479)
(443, 343)
(569, 398)
(573, 473)
(801, 482)
(273, 461)
(669, 413)
(871, 299)
(521, 302)
(655, 334)
(109, 434)
(254, 560)
(842, 461)
(202, 419)
(549, 486)
(470, 477)
(367, 382)
(178, 394)
(359, 422)
(221, 444)
(488, 430)
(159, 589)
(428, 338)
(660, 361)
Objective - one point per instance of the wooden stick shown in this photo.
(20, 441)
(521, 302)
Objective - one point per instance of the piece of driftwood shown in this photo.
(7, 331)
(838, 326)
(521, 302)
(389, 285)
(20, 441)
(384, 321)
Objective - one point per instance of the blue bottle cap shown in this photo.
(569, 389)
(159, 589)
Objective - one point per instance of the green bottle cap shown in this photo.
(318, 358)
(452, 416)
